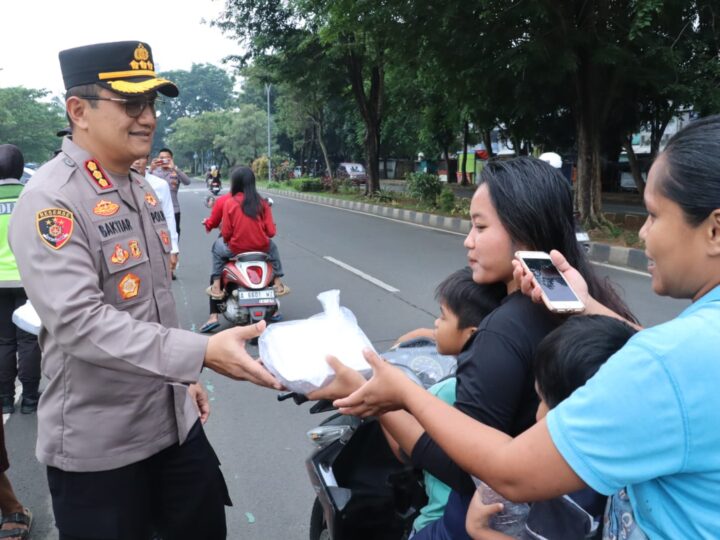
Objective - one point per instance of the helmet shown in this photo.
(552, 158)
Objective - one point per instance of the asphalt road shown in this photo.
(262, 443)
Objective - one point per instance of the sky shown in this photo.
(35, 31)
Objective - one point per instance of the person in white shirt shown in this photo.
(162, 190)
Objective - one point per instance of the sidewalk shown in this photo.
(631, 258)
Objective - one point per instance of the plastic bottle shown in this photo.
(511, 520)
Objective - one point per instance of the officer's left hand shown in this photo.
(226, 355)
(200, 397)
(173, 261)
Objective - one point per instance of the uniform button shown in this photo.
(68, 162)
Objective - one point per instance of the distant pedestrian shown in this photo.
(163, 166)
(19, 350)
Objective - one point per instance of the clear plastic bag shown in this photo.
(295, 352)
(26, 318)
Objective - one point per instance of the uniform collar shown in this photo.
(91, 169)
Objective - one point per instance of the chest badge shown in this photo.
(150, 199)
(129, 286)
(55, 226)
(106, 208)
(165, 237)
(97, 174)
(135, 252)
(120, 255)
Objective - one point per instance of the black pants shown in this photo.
(179, 494)
(177, 224)
(19, 350)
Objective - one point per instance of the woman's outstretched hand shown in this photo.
(384, 392)
(529, 286)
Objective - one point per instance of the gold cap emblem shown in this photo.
(142, 58)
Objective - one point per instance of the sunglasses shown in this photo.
(133, 107)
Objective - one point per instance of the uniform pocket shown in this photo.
(128, 267)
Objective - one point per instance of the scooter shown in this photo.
(363, 491)
(247, 280)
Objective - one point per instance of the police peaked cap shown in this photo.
(125, 67)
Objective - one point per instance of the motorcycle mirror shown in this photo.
(269, 201)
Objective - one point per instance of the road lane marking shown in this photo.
(362, 274)
(628, 270)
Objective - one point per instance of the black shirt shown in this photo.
(495, 382)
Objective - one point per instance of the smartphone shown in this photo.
(557, 294)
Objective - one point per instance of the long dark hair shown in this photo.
(242, 180)
(692, 169)
(535, 205)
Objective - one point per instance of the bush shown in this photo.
(275, 185)
(260, 168)
(335, 185)
(446, 200)
(424, 186)
(383, 196)
(306, 184)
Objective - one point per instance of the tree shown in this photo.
(29, 121)
(202, 89)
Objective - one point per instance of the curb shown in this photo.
(631, 258)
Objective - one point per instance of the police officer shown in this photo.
(117, 426)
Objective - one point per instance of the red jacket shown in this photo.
(216, 213)
(242, 233)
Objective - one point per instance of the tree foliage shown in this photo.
(30, 121)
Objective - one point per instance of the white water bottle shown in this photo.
(511, 520)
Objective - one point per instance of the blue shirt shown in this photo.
(650, 420)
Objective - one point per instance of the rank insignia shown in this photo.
(129, 286)
(165, 237)
(120, 255)
(55, 226)
(97, 174)
(135, 249)
(150, 199)
(106, 208)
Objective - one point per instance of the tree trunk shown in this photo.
(588, 194)
(371, 110)
(634, 165)
(487, 141)
(466, 134)
(323, 148)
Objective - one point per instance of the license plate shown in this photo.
(265, 294)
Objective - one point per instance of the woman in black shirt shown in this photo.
(520, 204)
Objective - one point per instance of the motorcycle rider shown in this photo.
(247, 225)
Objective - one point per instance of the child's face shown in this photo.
(449, 338)
(543, 408)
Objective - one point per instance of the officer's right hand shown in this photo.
(226, 354)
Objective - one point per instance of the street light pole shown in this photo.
(267, 90)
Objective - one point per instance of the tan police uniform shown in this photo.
(93, 251)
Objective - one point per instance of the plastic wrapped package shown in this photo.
(295, 352)
(26, 318)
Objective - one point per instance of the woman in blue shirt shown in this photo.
(646, 424)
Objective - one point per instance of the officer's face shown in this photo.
(121, 138)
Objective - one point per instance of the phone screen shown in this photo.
(550, 280)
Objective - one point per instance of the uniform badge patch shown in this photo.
(135, 249)
(55, 226)
(129, 286)
(97, 174)
(151, 200)
(165, 237)
(120, 255)
(106, 208)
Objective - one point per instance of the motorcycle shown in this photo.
(247, 280)
(362, 490)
